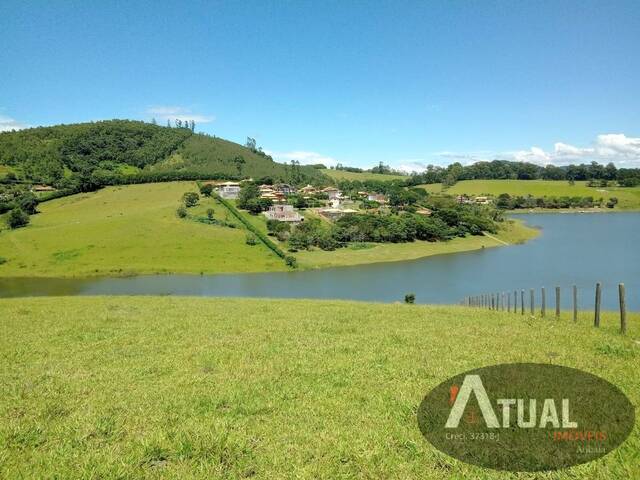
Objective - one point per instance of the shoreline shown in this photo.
(523, 233)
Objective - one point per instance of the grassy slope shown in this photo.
(362, 176)
(209, 155)
(150, 387)
(629, 198)
(120, 230)
(134, 229)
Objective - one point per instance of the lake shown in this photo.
(579, 249)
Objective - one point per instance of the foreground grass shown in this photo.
(159, 387)
(511, 232)
(629, 198)
(128, 230)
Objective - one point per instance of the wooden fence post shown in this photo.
(623, 309)
(544, 302)
(503, 301)
(515, 301)
(522, 301)
(532, 301)
(557, 302)
(508, 302)
(596, 319)
(575, 303)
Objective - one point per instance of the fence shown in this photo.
(502, 300)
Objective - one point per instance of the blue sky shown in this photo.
(406, 83)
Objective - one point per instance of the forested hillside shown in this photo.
(49, 154)
(86, 156)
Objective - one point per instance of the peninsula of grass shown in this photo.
(131, 230)
(628, 197)
(196, 388)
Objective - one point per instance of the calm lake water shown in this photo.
(579, 249)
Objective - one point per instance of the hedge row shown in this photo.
(266, 240)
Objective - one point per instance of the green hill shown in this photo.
(86, 155)
(210, 155)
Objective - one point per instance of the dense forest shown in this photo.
(85, 156)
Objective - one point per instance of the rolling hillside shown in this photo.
(629, 197)
(361, 176)
(110, 150)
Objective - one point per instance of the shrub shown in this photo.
(291, 261)
(210, 213)
(17, 218)
(190, 199)
(181, 212)
(206, 190)
(410, 298)
(251, 239)
(3, 260)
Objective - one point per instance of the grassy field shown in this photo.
(127, 230)
(134, 230)
(362, 176)
(629, 198)
(180, 388)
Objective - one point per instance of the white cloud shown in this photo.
(611, 147)
(7, 124)
(164, 112)
(304, 157)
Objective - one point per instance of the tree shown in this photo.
(248, 192)
(206, 190)
(181, 211)
(17, 218)
(28, 203)
(168, 123)
(239, 162)
(190, 199)
(410, 298)
(153, 121)
(210, 213)
(193, 125)
(251, 143)
(178, 123)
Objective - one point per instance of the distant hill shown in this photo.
(86, 155)
(210, 155)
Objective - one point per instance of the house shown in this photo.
(482, 200)
(335, 213)
(285, 189)
(377, 197)
(424, 211)
(42, 188)
(308, 190)
(229, 190)
(283, 213)
(333, 193)
(463, 199)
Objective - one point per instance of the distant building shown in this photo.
(335, 213)
(377, 197)
(309, 190)
(333, 193)
(482, 200)
(42, 188)
(285, 189)
(424, 211)
(283, 213)
(229, 190)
